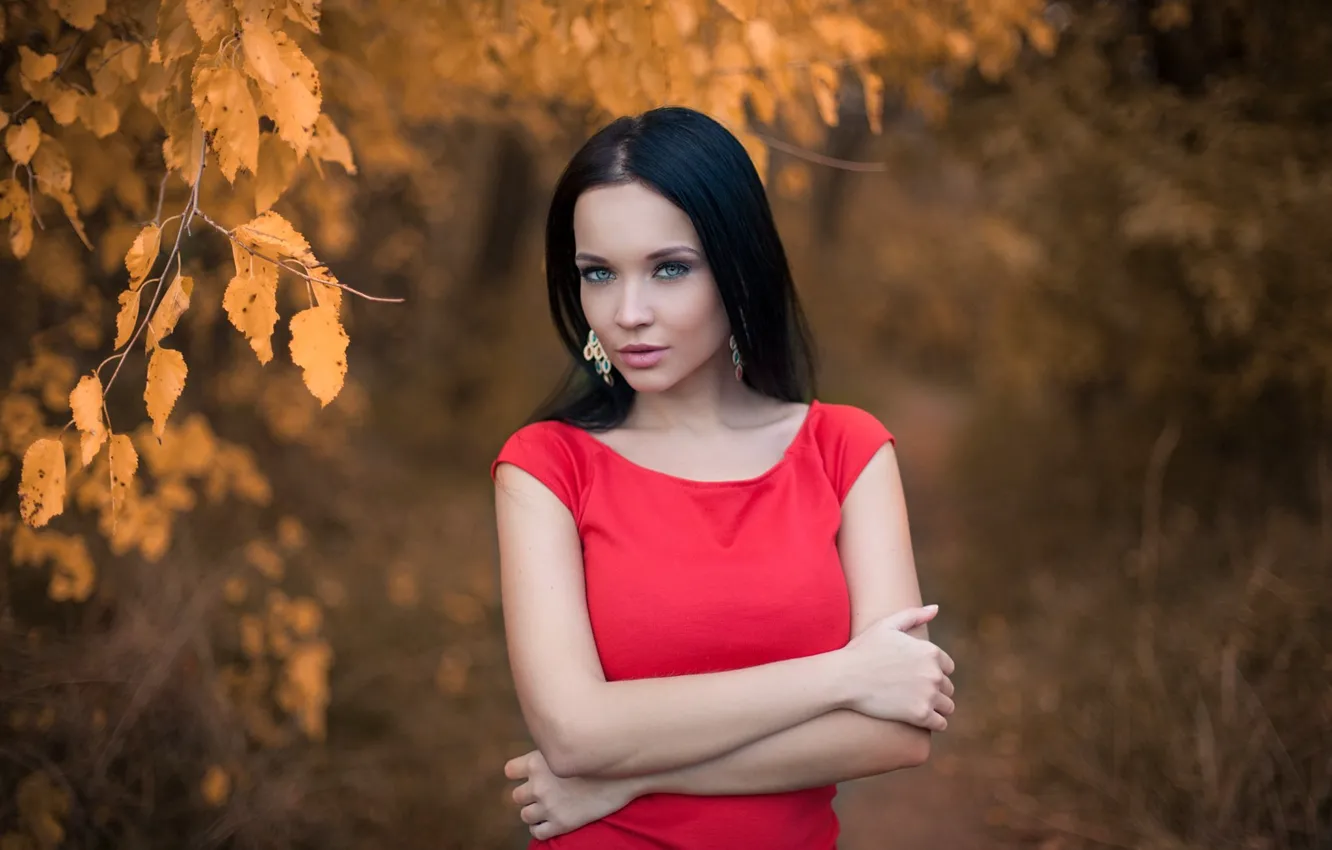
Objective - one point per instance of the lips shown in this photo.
(642, 356)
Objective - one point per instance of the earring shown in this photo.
(735, 358)
(595, 353)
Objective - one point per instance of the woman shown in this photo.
(709, 594)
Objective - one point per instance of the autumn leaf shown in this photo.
(36, 67)
(251, 304)
(142, 255)
(262, 57)
(166, 379)
(215, 786)
(14, 196)
(210, 18)
(99, 114)
(86, 403)
(294, 103)
(42, 484)
(226, 109)
(273, 236)
(124, 463)
(172, 307)
(81, 14)
(127, 317)
(330, 145)
(183, 146)
(277, 166)
(21, 141)
(319, 347)
(4, 119)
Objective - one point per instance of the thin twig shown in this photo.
(299, 271)
(190, 208)
(818, 158)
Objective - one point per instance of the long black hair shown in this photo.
(696, 164)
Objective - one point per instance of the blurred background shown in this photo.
(1075, 255)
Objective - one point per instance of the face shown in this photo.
(646, 287)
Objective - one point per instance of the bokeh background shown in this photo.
(1088, 286)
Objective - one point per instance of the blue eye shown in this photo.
(678, 269)
(589, 274)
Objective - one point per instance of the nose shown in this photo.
(634, 309)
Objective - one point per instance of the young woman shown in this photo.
(709, 595)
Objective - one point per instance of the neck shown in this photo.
(711, 399)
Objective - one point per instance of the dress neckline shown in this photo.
(782, 462)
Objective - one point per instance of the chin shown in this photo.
(648, 381)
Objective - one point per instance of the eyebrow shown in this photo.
(655, 255)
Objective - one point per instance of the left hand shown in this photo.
(553, 805)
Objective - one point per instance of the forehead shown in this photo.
(629, 219)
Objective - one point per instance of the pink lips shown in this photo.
(642, 356)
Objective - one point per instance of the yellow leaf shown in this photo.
(273, 236)
(127, 317)
(262, 58)
(850, 35)
(4, 119)
(251, 635)
(166, 379)
(824, 78)
(235, 590)
(183, 146)
(305, 13)
(21, 141)
(294, 103)
(251, 305)
(872, 84)
(124, 463)
(142, 255)
(327, 294)
(81, 14)
(52, 166)
(65, 104)
(226, 109)
(209, 17)
(42, 484)
(216, 786)
(12, 196)
(330, 145)
(763, 42)
(172, 307)
(86, 403)
(20, 222)
(36, 67)
(277, 165)
(264, 558)
(99, 115)
(319, 347)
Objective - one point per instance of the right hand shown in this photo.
(895, 676)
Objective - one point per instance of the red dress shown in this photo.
(688, 577)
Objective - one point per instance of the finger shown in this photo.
(533, 813)
(936, 722)
(946, 663)
(523, 794)
(946, 686)
(908, 618)
(544, 830)
(944, 705)
(516, 768)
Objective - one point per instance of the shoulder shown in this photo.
(841, 422)
(551, 452)
(847, 437)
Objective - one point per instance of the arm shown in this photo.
(586, 726)
(875, 547)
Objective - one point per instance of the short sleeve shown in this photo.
(848, 438)
(542, 451)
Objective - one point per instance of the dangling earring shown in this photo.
(595, 353)
(735, 358)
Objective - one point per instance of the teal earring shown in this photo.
(735, 359)
(597, 355)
